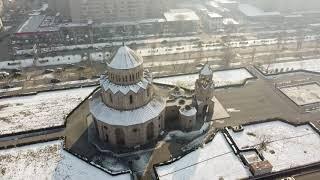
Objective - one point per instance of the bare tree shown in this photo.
(228, 53)
(300, 39)
(253, 54)
(281, 39)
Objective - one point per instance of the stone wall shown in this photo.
(131, 136)
(128, 101)
(127, 76)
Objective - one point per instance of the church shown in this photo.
(129, 111)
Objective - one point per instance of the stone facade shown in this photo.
(127, 112)
(204, 92)
(134, 114)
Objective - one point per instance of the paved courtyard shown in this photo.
(260, 99)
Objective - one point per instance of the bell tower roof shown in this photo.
(125, 58)
(206, 70)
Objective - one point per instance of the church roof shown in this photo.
(127, 118)
(125, 58)
(106, 84)
(206, 70)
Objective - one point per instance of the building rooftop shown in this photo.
(188, 111)
(206, 163)
(125, 58)
(49, 161)
(181, 15)
(252, 11)
(214, 15)
(226, 1)
(284, 145)
(227, 21)
(126, 118)
(106, 84)
(206, 70)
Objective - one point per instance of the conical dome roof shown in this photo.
(206, 70)
(125, 58)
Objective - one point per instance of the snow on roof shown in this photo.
(215, 160)
(48, 161)
(226, 1)
(227, 21)
(32, 24)
(181, 15)
(212, 4)
(252, 11)
(214, 15)
(286, 146)
(125, 58)
(188, 112)
(108, 85)
(126, 118)
(44, 110)
(221, 78)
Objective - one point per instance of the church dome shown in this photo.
(125, 67)
(125, 58)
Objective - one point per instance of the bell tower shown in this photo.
(204, 93)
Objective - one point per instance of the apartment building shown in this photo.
(109, 10)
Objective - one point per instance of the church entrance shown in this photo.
(150, 129)
(120, 137)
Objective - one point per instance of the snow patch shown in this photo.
(48, 161)
(207, 163)
(44, 110)
(283, 145)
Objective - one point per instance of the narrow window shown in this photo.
(110, 96)
(131, 99)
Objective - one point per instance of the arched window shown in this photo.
(131, 99)
(119, 136)
(110, 97)
(107, 138)
(150, 129)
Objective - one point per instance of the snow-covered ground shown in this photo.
(308, 65)
(221, 78)
(215, 160)
(48, 161)
(303, 94)
(47, 109)
(283, 145)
